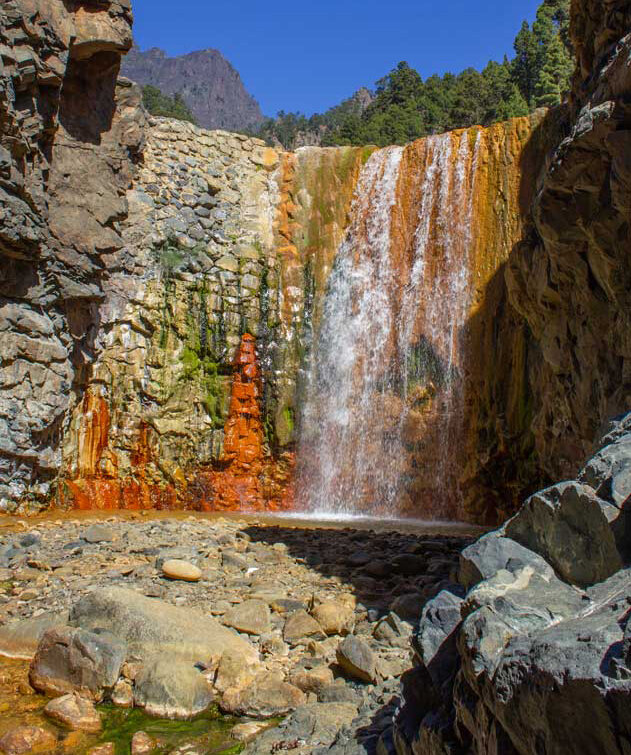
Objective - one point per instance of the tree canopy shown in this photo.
(404, 107)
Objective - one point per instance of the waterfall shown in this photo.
(384, 375)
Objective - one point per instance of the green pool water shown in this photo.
(210, 731)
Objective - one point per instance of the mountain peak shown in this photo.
(208, 83)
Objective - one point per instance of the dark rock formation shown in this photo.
(68, 135)
(209, 85)
(535, 657)
(573, 284)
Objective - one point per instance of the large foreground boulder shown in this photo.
(153, 628)
(536, 656)
(168, 646)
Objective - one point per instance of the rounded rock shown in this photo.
(183, 570)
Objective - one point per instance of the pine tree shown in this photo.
(554, 75)
(525, 61)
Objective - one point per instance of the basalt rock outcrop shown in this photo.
(529, 652)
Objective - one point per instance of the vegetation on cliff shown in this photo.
(158, 103)
(404, 107)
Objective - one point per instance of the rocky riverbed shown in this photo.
(192, 634)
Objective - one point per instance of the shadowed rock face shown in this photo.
(209, 85)
(572, 284)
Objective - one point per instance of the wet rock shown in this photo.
(177, 569)
(251, 617)
(266, 697)
(70, 659)
(74, 712)
(357, 659)
(24, 740)
(299, 626)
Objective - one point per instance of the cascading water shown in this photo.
(385, 363)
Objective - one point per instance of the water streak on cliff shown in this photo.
(387, 366)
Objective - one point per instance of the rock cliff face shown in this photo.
(138, 255)
(69, 134)
(208, 83)
(571, 282)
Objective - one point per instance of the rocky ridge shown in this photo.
(209, 85)
(67, 154)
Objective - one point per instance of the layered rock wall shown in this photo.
(69, 133)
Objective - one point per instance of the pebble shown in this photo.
(177, 569)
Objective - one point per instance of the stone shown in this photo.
(247, 731)
(69, 659)
(251, 617)
(148, 625)
(436, 636)
(409, 564)
(234, 671)
(334, 617)
(98, 533)
(493, 552)
(408, 606)
(300, 626)
(357, 659)
(122, 694)
(311, 680)
(177, 569)
(20, 639)
(567, 526)
(266, 697)
(74, 712)
(393, 632)
(143, 744)
(24, 740)
(105, 749)
(169, 687)
(317, 725)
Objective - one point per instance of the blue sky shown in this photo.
(309, 56)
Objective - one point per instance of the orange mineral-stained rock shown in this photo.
(248, 478)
